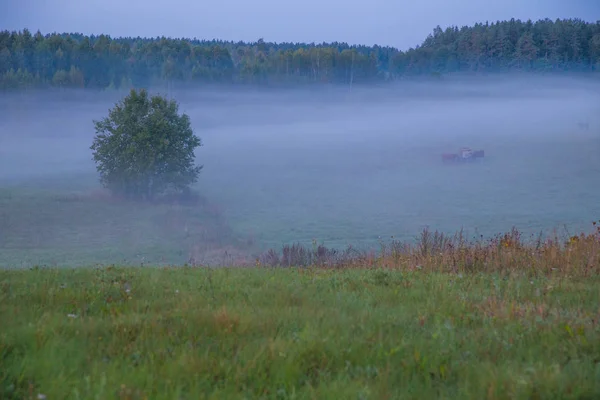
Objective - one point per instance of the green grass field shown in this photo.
(293, 333)
(72, 222)
(440, 318)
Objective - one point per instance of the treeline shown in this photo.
(73, 60)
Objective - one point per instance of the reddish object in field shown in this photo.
(464, 154)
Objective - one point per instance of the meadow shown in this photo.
(66, 223)
(344, 168)
(439, 319)
(316, 208)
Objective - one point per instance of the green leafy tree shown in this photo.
(145, 148)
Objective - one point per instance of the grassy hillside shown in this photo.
(195, 333)
(440, 319)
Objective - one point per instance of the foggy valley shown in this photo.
(342, 166)
(299, 200)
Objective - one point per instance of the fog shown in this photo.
(338, 165)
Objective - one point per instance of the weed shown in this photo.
(508, 253)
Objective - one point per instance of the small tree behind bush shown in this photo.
(145, 148)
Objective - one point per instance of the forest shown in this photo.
(72, 60)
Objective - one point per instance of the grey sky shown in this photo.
(399, 23)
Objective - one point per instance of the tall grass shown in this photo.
(440, 318)
(438, 252)
(295, 333)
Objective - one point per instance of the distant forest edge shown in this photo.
(74, 60)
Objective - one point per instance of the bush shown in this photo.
(145, 148)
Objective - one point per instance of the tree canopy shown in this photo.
(144, 147)
(76, 60)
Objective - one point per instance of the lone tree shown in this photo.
(145, 148)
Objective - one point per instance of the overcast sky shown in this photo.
(399, 23)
